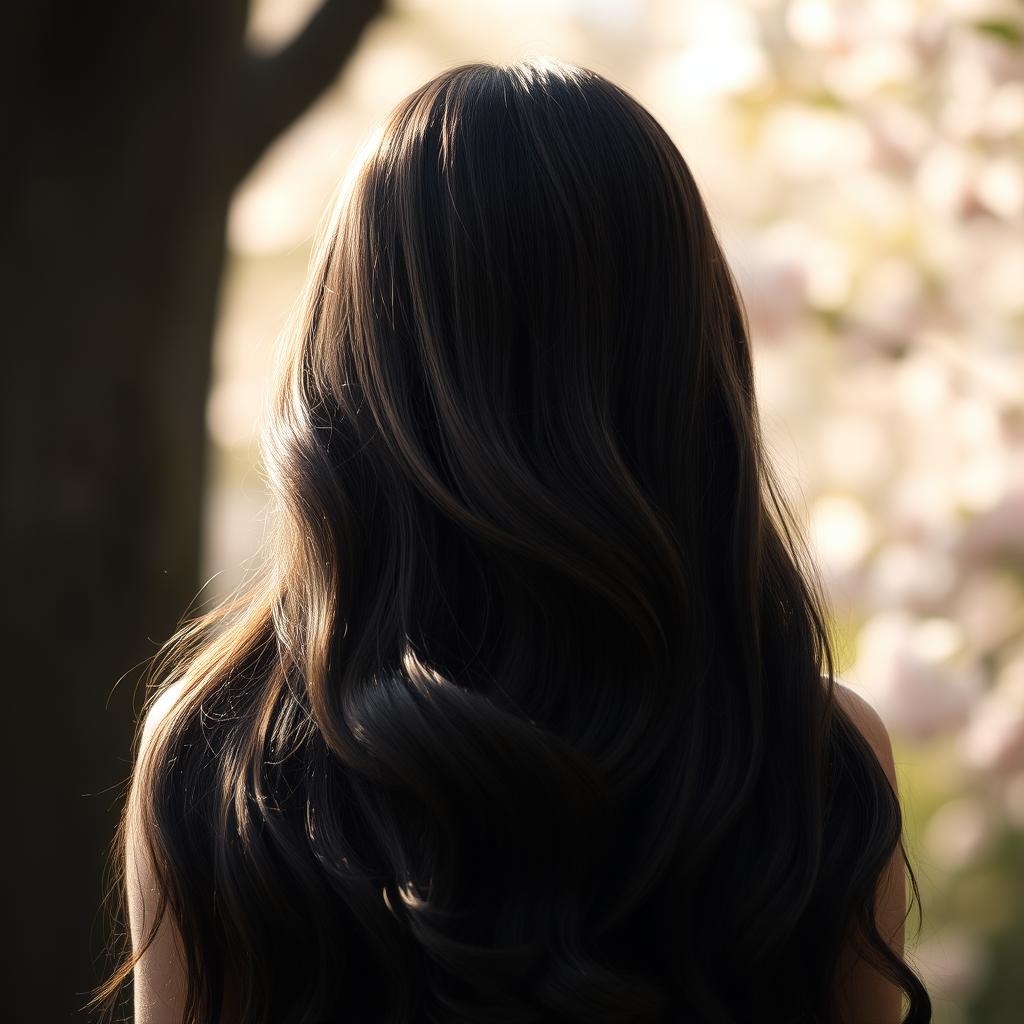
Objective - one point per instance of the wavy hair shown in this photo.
(529, 714)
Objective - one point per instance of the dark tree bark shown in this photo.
(127, 128)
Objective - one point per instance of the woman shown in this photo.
(531, 714)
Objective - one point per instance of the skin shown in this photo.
(159, 976)
(864, 996)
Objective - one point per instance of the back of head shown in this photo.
(529, 716)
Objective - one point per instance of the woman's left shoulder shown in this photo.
(159, 709)
(159, 976)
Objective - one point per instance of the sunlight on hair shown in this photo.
(368, 148)
(423, 676)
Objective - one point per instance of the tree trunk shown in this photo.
(129, 127)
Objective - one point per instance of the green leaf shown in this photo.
(1007, 31)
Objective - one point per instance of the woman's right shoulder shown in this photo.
(869, 724)
(863, 993)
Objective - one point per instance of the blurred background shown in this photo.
(863, 162)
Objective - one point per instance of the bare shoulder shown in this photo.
(870, 725)
(863, 994)
(159, 973)
(158, 711)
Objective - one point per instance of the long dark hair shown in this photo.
(530, 713)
